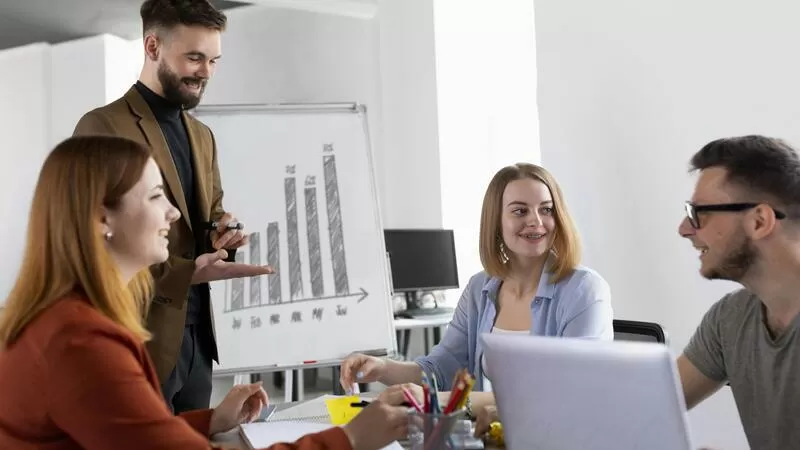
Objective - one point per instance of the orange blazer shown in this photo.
(76, 380)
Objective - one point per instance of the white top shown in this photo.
(487, 385)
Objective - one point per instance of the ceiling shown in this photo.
(28, 21)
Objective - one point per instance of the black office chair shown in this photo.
(629, 330)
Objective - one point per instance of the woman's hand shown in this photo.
(380, 423)
(484, 417)
(396, 391)
(242, 404)
(360, 368)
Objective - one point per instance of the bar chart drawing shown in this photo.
(269, 290)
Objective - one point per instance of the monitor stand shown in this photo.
(414, 310)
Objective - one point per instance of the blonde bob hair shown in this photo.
(65, 251)
(566, 244)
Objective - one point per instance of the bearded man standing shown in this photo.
(182, 45)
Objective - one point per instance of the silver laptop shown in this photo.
(579, 394)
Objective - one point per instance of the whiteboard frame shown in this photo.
(346, 107)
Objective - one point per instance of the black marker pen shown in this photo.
(231, 226)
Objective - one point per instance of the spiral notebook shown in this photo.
(312, 411)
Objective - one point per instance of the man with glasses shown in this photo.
(744, 219)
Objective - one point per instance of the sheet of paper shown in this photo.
(340, 410)
(263, 434)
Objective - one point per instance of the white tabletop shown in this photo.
(422, 322)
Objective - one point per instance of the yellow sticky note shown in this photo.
(340, 410)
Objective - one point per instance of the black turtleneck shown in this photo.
(170, 120)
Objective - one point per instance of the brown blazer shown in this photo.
(131, 117)
(76, 380)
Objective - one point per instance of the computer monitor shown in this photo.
(421, 260)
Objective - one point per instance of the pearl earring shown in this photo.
(109, 235)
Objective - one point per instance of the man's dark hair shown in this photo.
(760, 164)
(167, 14)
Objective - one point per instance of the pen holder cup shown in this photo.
(432, 431)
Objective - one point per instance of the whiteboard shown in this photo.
(301, 179)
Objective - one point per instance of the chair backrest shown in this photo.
(630, 330)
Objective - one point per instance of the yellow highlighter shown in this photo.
(341, 409)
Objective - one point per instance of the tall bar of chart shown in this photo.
(312, 228)
(273, 294)
(293, 239)
(335, 224)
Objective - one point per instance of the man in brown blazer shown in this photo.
(182, 45)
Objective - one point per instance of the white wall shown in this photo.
(88, 73)
(23, 122)
(46, 89)
(628, 91)
(410, 144)
(486, 92)
(77, 80)
(123, 63)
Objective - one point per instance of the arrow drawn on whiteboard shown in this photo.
(360, 296)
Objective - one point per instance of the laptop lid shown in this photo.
(559, 393)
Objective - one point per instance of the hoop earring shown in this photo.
(503, 255)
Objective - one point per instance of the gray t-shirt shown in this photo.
(733, 344)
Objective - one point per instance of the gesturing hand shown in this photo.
(242, 404)
(211, 267)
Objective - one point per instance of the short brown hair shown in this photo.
(167, 14)
(65, 250)
(566, 245)
(760, 166)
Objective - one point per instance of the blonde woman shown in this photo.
(531, 283)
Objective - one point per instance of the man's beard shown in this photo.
(173, 87)
(736, 263)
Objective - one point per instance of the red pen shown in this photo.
(455, 397)
(426, 393)
(410, 398)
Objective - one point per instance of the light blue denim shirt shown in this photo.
(577, 306)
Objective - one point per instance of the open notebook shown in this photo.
(293, 423)
(263, 434)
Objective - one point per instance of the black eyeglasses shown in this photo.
(692, 210)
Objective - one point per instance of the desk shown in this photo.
(233, 440)
(403, 327)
